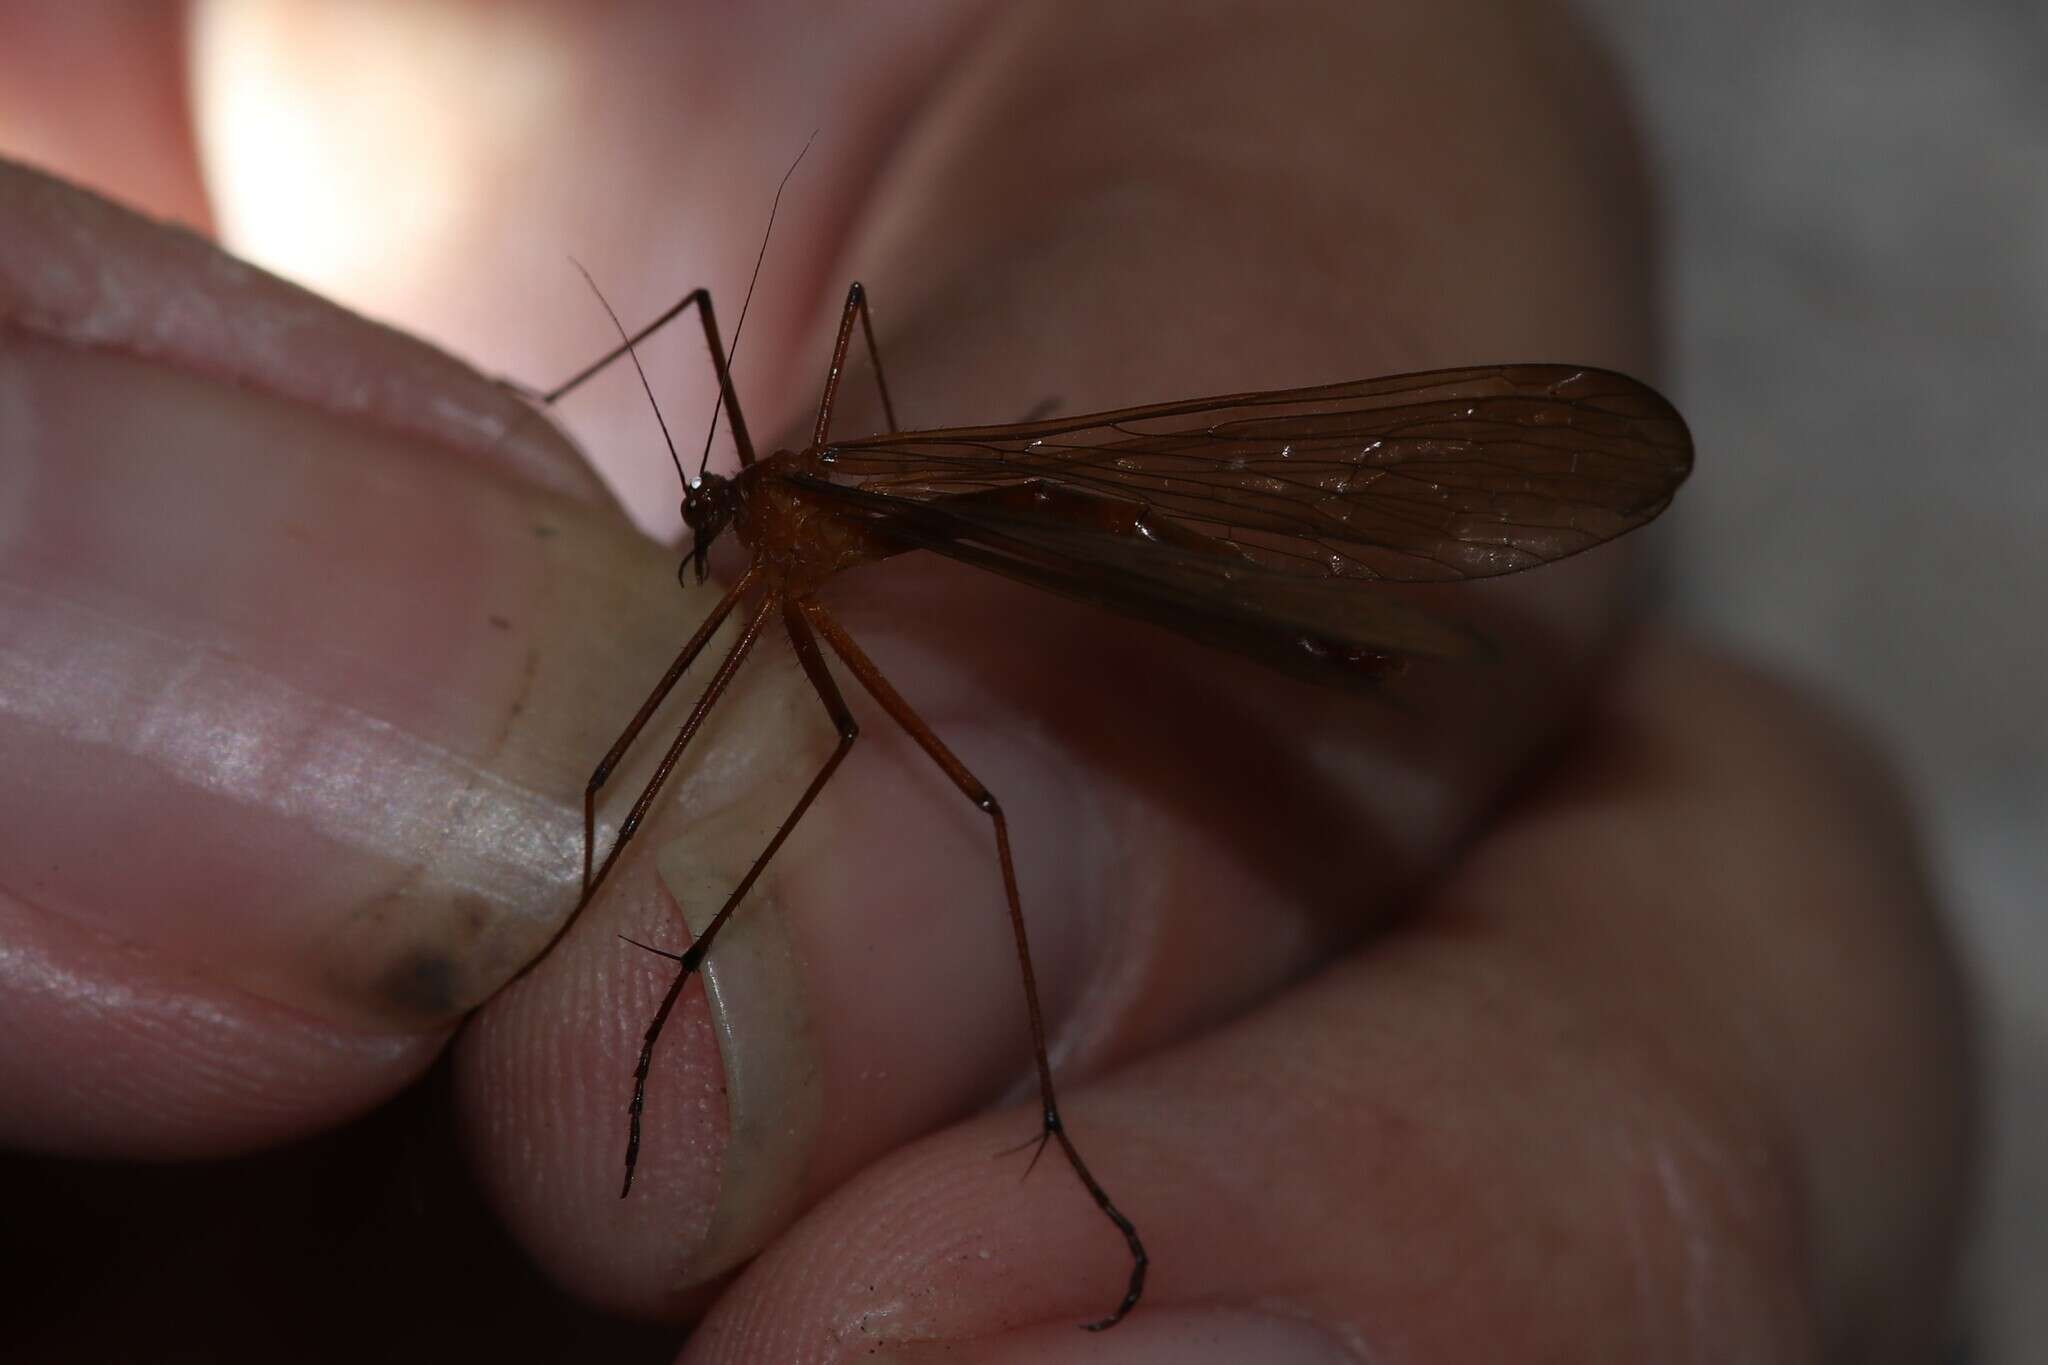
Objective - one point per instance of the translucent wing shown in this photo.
(1257, 521)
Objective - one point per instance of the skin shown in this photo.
(1655, 1050)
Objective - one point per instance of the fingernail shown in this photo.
(753, 979)
(292, 701)
(1147, 1337)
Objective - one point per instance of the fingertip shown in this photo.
(544, 1078)
(115, 1052)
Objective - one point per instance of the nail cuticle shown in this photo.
(761, 1016)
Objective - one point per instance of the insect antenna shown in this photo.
(732, 354)
(634, 356)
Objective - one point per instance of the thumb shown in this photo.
(291, 605)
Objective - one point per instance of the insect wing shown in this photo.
(1289, 621)
(1251, 521)
(1444, 475)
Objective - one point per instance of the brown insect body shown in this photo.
(1252, 522)
(796, 541)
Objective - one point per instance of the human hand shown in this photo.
(300, 710)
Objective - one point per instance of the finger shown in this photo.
(1153, 791)
(1674, 1068)
(428, 184)
(96, 93)
(273, 578)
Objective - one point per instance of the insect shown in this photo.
(1254, 522)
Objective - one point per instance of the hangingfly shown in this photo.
(1259, 523)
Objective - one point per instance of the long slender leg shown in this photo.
(684, 658)
(713, 690)
(701, 299)
(913, 724)
(856, 303)
(814, 668)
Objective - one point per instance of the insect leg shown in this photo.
(701, 299)
(714, 689)
(684, 658)
(856, 302)
(689, 960)
(913, 724)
